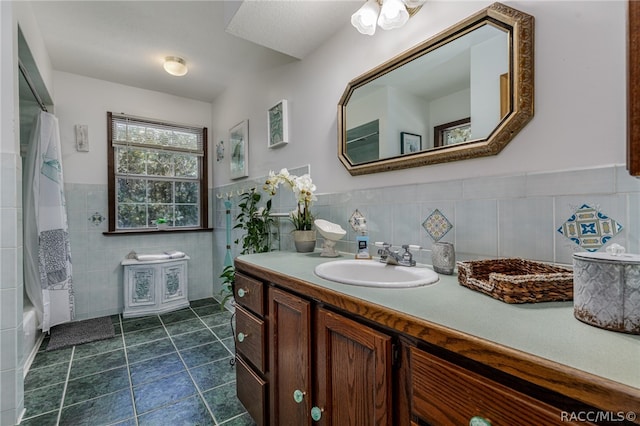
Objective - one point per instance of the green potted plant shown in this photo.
(256, 223)
(228, 280)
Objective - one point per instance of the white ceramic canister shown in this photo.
(606, 290)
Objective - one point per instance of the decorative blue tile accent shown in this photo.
(437, 225)
(96, 219)
(590, 228)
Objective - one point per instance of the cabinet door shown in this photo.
(353, 385)
(289, 359)
(449, 395)
(140, 282)
(174, 282)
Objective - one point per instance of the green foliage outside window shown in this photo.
(156, 184)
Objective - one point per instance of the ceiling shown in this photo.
(126, 41)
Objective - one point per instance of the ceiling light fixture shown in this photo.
(175, 66)
(387, 14)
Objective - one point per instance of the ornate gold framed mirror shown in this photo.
(464, 93)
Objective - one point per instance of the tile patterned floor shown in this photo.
(169, 369)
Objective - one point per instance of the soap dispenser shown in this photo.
(362, 239)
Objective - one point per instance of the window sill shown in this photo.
(156, 231)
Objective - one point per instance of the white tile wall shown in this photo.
(525, 228)
(11, 392)
(476, 224)
(501, 216)
(98, 278)
(494, 187)
(587, 181)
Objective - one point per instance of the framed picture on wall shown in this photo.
(410, 143)
(239, 146)
(278, 123)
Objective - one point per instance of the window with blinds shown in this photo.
(157, 174)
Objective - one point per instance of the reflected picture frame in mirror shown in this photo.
(511, 102)
(410, 143)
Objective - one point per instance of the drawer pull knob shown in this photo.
(479, 421)
(298, 396)
(242, 336)
(316, 413)
(242, 292)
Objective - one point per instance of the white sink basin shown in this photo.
(371, 273)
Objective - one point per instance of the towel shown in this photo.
(171, 254)
(175, 254)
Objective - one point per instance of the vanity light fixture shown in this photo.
(387, 14)
(175, 66)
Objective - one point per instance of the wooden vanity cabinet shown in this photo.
(319, 360)
(251, 357)
(353, 372)
(289, 359)
(443, 393)
(340, 374)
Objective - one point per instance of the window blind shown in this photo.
(130, 131)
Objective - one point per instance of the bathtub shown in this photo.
(32, 335)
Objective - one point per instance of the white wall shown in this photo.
(409, 113)
(488, 61)
(449, 108)
(98, 281)
(579, 96)
(83, 100)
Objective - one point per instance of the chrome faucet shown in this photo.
(394, 257)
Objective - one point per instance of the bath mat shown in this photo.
(76, 333)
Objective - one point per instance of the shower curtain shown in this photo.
(47, 263)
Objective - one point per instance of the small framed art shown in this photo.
(278, 123)
(239, 146)
(410, 143)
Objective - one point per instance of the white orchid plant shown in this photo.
(303, 188)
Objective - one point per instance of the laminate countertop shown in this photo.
(542, 342)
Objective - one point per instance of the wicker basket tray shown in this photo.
(517, 280)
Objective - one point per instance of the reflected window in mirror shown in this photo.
(458, 131)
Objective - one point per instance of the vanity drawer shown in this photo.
(250, 338)
(252, 391)
(446, 394)
(249, 293)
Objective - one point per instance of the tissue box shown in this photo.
(607, 291)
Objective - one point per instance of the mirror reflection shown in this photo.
(464, 93)
(450, 95)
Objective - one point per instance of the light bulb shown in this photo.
(366, 17)
(175, 66)
(393, 14)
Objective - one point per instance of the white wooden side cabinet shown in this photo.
(154, 287)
